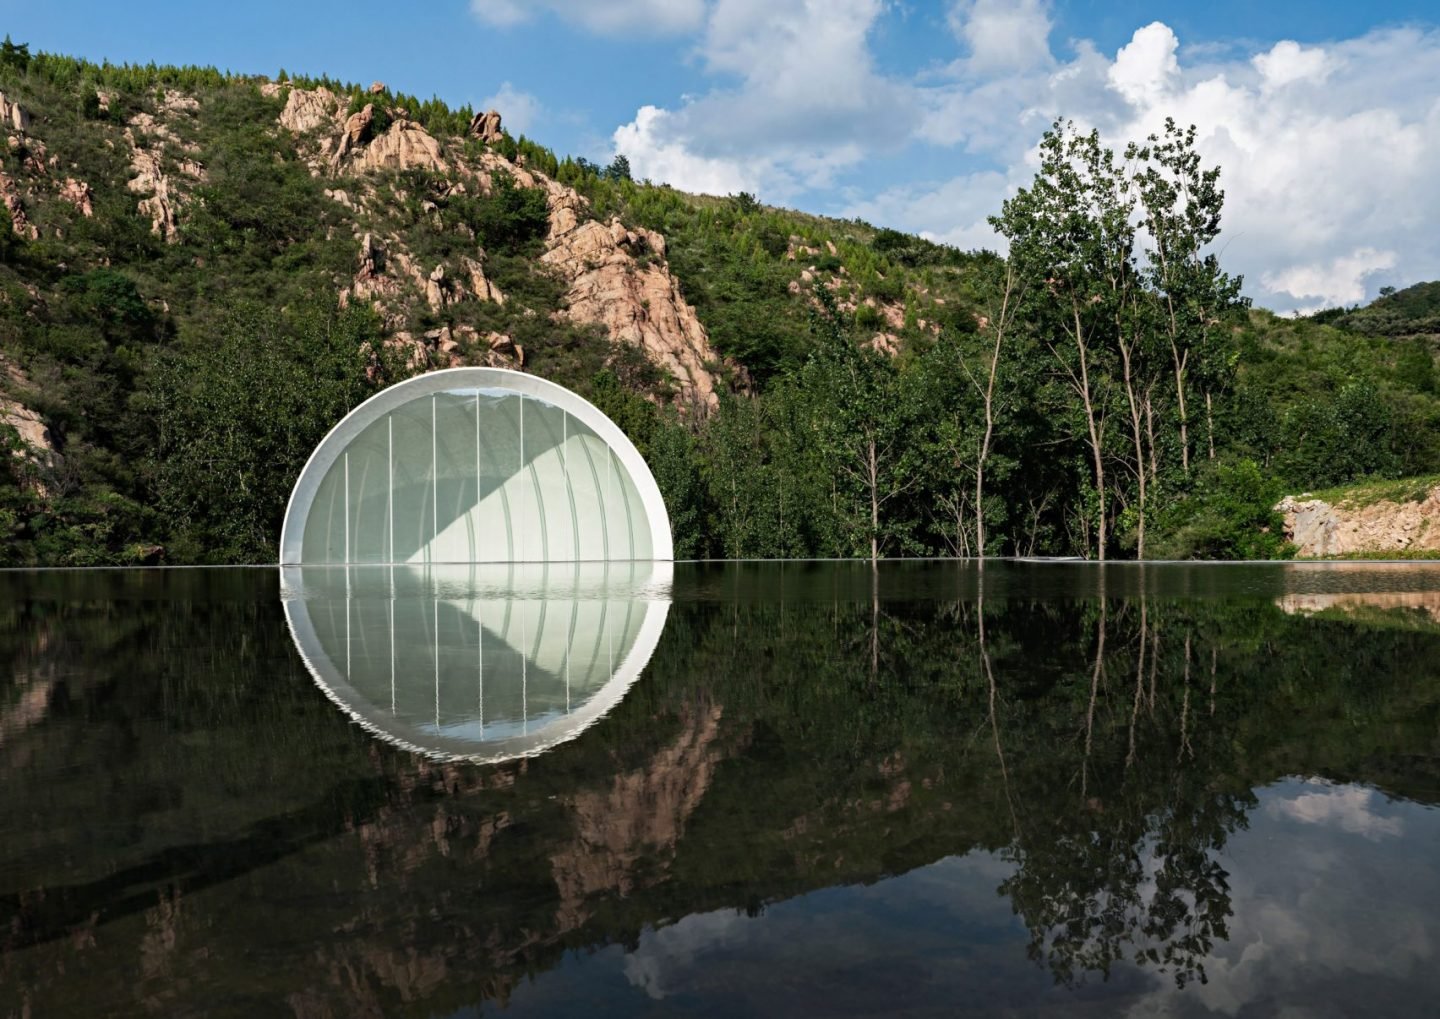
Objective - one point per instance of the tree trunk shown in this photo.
(1139, 683)
(1150, 431)
(874, 622)
(1210, 423)
(1096, 450)
(990, 414)
(1094, 693)
(1138, 437)
(874, 473)
(994, 718)
(1180, 362)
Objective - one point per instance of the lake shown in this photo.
(742, 789)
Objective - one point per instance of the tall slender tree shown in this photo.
(1181, 203)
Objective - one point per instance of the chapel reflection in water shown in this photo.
(482, 662)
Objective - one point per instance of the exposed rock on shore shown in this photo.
(1320, 529)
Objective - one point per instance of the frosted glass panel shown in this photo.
(367, 464)
(413, 524)
(325, 527)
(495, 520)
(475, 475)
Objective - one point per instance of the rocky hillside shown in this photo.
(374, 175)
(160, 223)
(201, 272)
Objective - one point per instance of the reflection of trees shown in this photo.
(808, 731)
(1118, 864)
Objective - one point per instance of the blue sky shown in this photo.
(920, 115)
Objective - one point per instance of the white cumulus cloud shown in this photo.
(656, 154)
(1288, 61)
(610, 17)
(1328, 153)
(1002, 35)
(1145, 68)
(1350, 808)
(807, 102)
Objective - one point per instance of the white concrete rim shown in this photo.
(302, 497)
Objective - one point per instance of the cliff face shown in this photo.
(614, 278)
(1320, 529)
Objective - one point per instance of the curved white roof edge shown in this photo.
(328, 451)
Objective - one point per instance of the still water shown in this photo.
(1040, 789)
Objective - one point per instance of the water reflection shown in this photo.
(478, 662)
(1033, 790)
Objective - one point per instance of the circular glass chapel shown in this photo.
(473, 465)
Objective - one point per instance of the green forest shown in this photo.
(1104, 391)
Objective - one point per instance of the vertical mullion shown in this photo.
(480, 655)
(390, 497)
(475, 510)
(434, 482)
(520, 474)
(524, 669)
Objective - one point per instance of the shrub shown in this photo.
(1230, 515)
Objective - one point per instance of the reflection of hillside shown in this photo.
(249, 850)
(641, 814)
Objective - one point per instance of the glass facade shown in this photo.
(475, 465)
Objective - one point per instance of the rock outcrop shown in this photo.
(150, 140)
(480, 284)
(486, 126)
(308, 109)
(1320, 529)
(383, 269)
(39, 444)
(372, 282)
(15, 120)
(638, 302)
(15, 205)
(1426, 602)
(438, 291)
(79, 194)
(643, 813)
(357, 128)
(404, 145)
(13, 115)
(615, 277)
(159, 204)
(28, 424)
